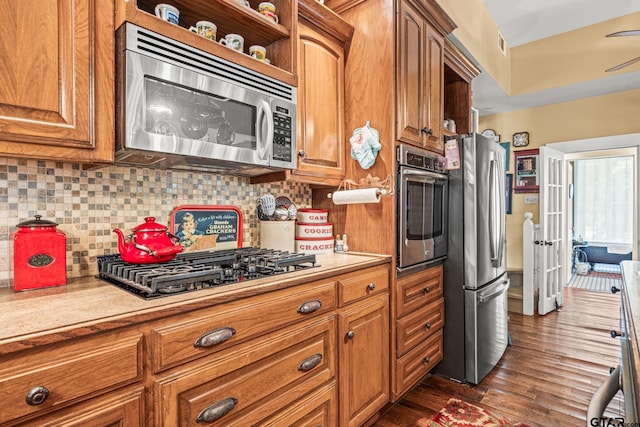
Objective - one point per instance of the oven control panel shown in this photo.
(421, 159)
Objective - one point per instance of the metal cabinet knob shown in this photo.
(217, 410)
(427, 290)
(215, 337)
(615, 334)
(427, 359)
(371, 286)
(310, 306)
(351, 334)
(614, 289)
(301, 153)
(37, 396)
(428, 325)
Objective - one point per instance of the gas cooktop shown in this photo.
(199, 270)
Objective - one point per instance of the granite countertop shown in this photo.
(88, 305)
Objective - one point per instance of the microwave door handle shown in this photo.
(264, 141)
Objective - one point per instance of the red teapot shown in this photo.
(149, 243)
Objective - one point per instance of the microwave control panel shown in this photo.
(282, 136)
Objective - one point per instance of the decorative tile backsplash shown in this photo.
(88, 205)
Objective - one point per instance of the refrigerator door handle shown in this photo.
(495, 225)
(482, 298)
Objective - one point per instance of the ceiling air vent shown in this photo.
(502, 45)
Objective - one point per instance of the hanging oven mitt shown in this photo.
(365, 144)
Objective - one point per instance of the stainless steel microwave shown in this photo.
(182, 108)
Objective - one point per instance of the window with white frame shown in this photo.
(603, 200)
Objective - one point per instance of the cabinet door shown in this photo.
(435, 66)
(57, 79)
(411, 76)
(320, 112)
(363, 340)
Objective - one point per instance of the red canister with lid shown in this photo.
(39, 255)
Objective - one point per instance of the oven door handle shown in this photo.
(424, 176)
(603, 395)
(264, 140)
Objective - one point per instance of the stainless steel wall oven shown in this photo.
(422, 208)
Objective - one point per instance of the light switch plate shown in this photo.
(530, 200)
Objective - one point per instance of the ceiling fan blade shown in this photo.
(624, 33)
(626, 64)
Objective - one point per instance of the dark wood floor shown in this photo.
(547, 375)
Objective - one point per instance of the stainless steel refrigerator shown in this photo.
(476, 330)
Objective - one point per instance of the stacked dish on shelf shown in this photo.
(314, 234)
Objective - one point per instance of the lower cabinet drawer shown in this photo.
(50, 377)
(415, 327)
(203, 332)
(319, 409)
(418, 362)
(122, 408)
(245, 384)
(416, 290)
(361, 284)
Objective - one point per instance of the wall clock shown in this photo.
(489, 133)
(520, 139)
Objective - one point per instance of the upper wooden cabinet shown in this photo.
(320, 112)
(57, 80)
(323, 39)
(230, 16)
(458, 74)
(420, 58)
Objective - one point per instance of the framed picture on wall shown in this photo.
(505, 145)
(508, 186)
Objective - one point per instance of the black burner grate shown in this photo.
(199, 270)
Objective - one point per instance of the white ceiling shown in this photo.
(524, 21)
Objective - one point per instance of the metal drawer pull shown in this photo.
(428, 325)
(37, 395)
(371, 286)
(310, 306)
(310, 362)
(427, 290)
(427, 359)
(217, 410)
(215, 337)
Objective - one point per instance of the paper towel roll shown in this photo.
(349, 197)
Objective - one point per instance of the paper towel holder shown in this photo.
(384, 186)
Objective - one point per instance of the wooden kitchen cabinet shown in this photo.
(363, 345)
(420, 81)
(320, 112)
(230, 16)
(323, 39)
(247, 383)
(57, 80)
(124, 408)
(288, 361)
(419, 322)
(35, 383)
